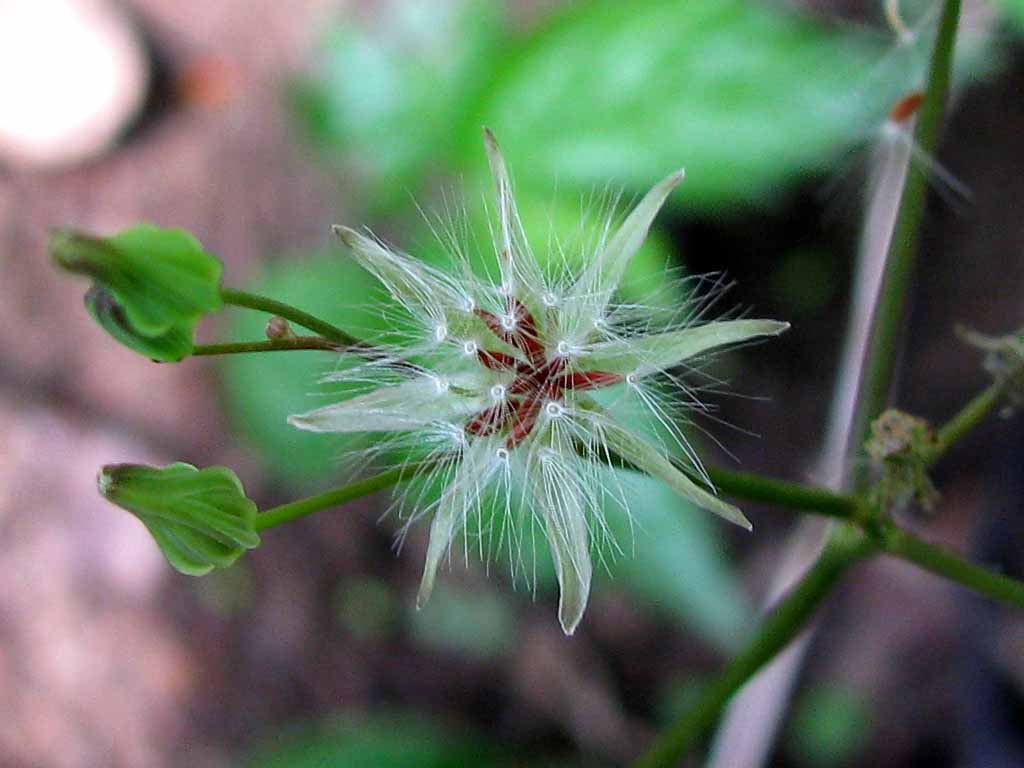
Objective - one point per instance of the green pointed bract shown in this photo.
(402, 407)
(423, 292)
(594, 289)
(643, 355)
(557, 490)
(520, 272)
(462, 496)
(647, 458)
(200, 518)
(151, 286)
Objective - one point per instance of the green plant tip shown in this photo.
(200, 518)
(150, 286)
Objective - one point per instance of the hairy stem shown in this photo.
(941, 561)
(780, 627)
(272, 345)
(287, 311)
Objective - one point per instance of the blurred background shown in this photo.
(256, 125)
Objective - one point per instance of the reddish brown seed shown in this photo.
(538, 378)
(496, 360)
(489, 420)
(492, 322)
(525, 419)
(906, 107)
(525, 336)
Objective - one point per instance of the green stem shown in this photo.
(272, 345)
(766, 490)
(286, 513)
(279, 308)
(899, 268)
(784, 493)
(943, 562)
(784, 623)
(967, 418)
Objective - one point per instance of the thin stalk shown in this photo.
(287, 311)
(286, 513)
(967, 418)
(892, 300)
(784, 493)
(271, 345)
(943, 562)
(780, 627)
(766, 490)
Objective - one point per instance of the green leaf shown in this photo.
(201, 519)
(742, 94)
(378, 741)
(384, 93)
(150, 287)
(745, 95)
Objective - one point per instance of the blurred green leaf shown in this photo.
(383, 92)
(375, 742)
(744, 94)
(675, 559)
(829, 726)
(741, 93)
(150, 287)
(201, 519)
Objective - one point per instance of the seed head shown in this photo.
(521, 357)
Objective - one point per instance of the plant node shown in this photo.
(901, 445)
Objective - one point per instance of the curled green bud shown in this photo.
(150, 287)
(201, 518)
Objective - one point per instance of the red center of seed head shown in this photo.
(537, 381)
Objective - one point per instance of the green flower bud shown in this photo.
(150, 288)
(201, 519)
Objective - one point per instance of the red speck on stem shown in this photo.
(906, 107)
